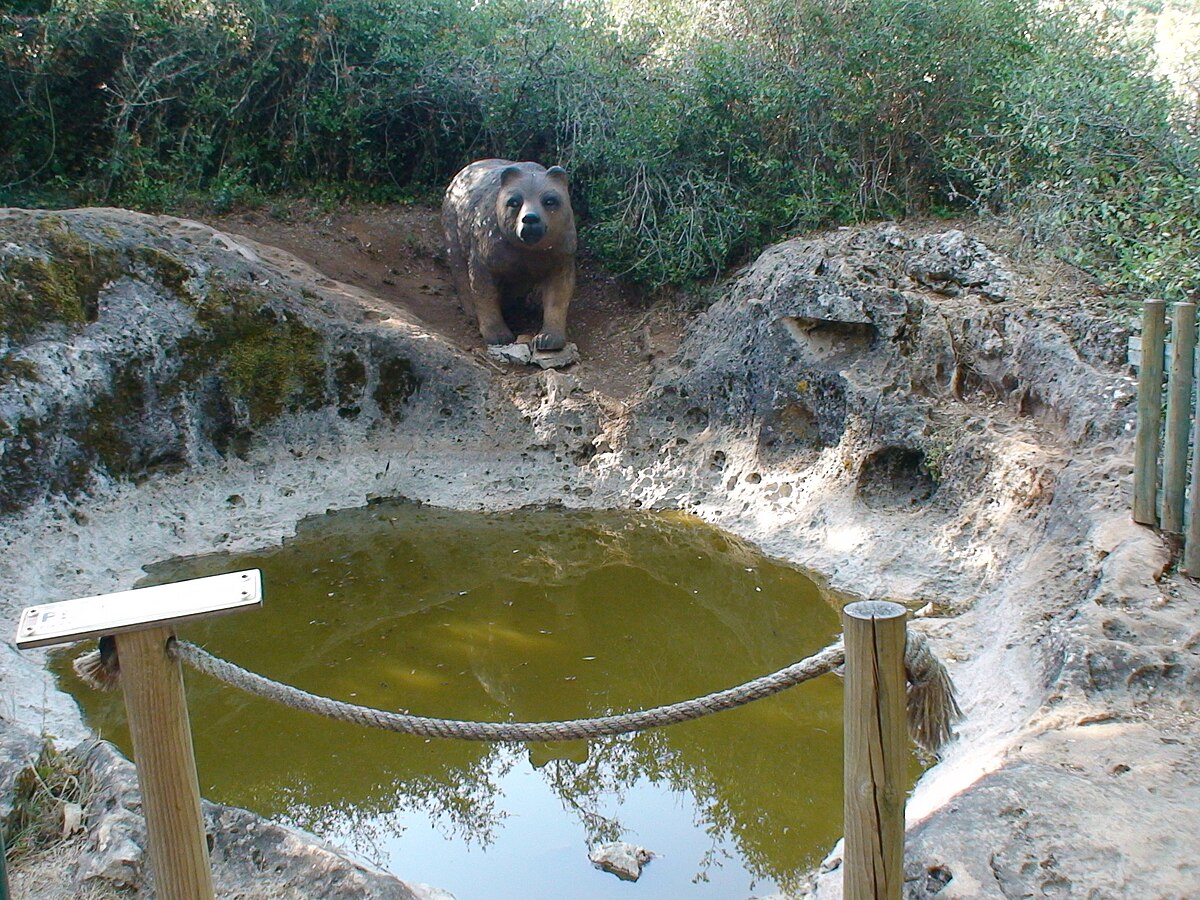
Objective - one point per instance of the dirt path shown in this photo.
(396, 253)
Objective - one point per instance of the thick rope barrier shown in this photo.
(932, 707)
(824, 661)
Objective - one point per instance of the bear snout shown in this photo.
(532, 229)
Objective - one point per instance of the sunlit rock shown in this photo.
(621, 859)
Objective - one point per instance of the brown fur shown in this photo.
(510, 233)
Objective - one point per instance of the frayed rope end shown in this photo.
(932, 707)
(100, 669)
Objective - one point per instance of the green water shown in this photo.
(524, 616)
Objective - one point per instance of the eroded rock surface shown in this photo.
(895, 408)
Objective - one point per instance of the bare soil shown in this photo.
(397, 254)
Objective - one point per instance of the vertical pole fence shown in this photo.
(1149, 414)
(1191, 545)
(1179, 495)
(1179, 408)
(156, 707)
(876, 741)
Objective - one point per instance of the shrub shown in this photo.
(1093, 152)
(695, 131)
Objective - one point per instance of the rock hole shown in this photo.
(936, 878)
(827, 338)
(895, 478)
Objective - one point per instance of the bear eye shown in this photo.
(550, 201)
(514, 202)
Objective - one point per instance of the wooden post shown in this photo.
(1149, 414)
(3, 871)
(143, 621)
(875, 751)
(166, 765)
(1191, 542)
(1179, 412)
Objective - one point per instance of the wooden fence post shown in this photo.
(1149, 414)
(3, 871)
(166, 765)
(876, 758)
(143, 621)
(1179, 412)
(1191, 543)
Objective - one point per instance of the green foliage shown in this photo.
(695, 131)
(1092, 151)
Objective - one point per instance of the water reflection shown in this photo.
(525, 616)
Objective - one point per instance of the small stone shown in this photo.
(116, 854)
(524, 354)
(72, 819)
(621, 859)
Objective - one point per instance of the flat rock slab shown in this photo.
(622, 859)
(526, 355)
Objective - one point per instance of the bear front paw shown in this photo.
(498, 335)
(549, 340)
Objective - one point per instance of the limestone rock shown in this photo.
(524, 354)
(952, 263)
(621, 859)
(116, 852)
(250, 856)
(173, 346)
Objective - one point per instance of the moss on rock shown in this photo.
(267, 360)
(350, 382)
(62, 287)
(398, 381)
(169, 271)
(12, 369)
(107, 433)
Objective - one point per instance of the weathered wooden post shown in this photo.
(3, 871)
(1149, 414)
(143, 621)
(876, 758)
(1191, 542)
(1179, 413)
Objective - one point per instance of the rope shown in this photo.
(824, 661)
(932, 707)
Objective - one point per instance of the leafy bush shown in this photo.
(1089, 148)
(695, 131)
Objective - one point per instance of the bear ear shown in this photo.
(509, 174)
(557, 172)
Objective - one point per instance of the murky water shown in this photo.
(524, 616)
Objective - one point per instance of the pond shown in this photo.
(524, 616)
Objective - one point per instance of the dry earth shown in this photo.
(899, 409)
(397, 255)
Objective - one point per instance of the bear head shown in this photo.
(534, 204)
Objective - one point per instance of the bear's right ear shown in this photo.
(509, 174)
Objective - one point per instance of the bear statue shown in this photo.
(510, 233)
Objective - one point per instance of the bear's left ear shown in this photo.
(509, 174)
(557, 172)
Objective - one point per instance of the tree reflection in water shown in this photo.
(522, 616)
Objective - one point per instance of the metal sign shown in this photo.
(182, 601)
